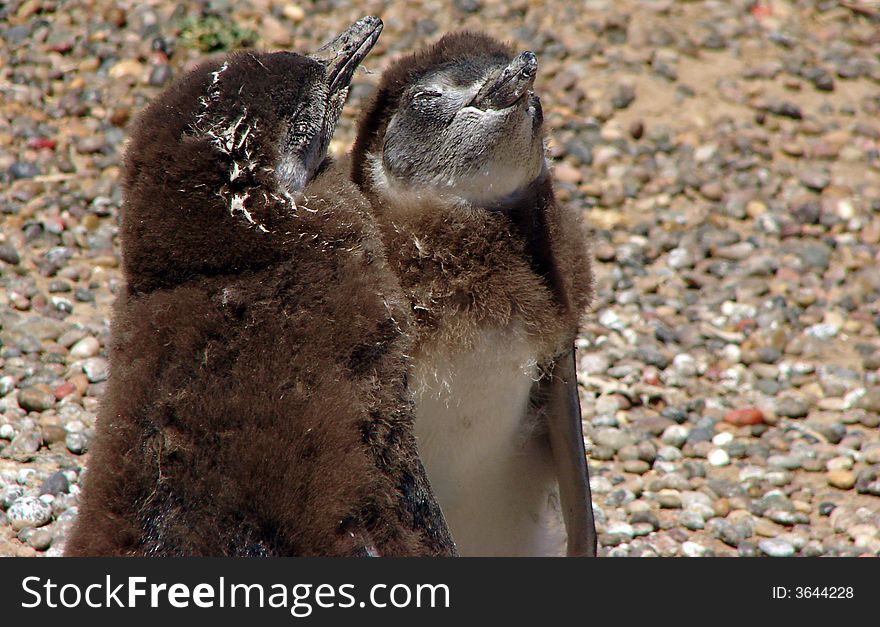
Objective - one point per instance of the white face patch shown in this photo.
(436, 142)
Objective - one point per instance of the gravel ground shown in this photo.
(726, 154)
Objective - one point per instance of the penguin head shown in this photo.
(214, 162)
(459, 118)
(278, 110)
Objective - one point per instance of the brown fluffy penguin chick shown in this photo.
(451, 154)
(257, 402)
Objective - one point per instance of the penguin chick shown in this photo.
(451, 154)
(257, 403)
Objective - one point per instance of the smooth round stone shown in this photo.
(841, 479)
(747, 549)
(871, 453)
(662, 468)
(628, 453)
(96, 369)
(636, 466)
(26, 477)
(692, 520)
(619, 497)
(719, 457)
(675, 435)
(40, 539)
(614, 439)
(813, 464)
(778, 478)
(607, 405)
(645, 518)
(7, 384)
(792, 408)
(57, 483)
(594, 363)
(691, 498)
(783, 517)
(775, 547)
(620, 527)
(751, 473)
(24, 445)
(647, 451)
(601, 453)
(7, 432)
(637, 507)
(725, 437)
(705, 511)
(613, 539)
(35, 399)
(786, 462)
(684, 365)
(737, 449)
(28, 511)
(76, 443)
(693, 549)
(840, 463)
(668, 454)
(669, 499)
(729, 533)
(796, 540)
(600, 485)
(10, 494)
(87, 347)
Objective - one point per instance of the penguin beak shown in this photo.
(509, 86)
(342, 56)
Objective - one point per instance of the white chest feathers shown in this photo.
(494, 479)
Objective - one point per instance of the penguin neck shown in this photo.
(528, 211)
(402, 194)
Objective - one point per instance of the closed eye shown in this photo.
(425, 95)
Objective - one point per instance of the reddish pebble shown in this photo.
(746, 323)
(762, 11)
(747, 416)
(41, 142)
(62, 47)
(65, 389)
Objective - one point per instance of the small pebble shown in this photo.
(774, 547)
(28, 511)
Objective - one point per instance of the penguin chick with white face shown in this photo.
(451, 154)
(257, 403)
(478, 128)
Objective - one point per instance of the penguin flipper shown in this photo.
(562, 413)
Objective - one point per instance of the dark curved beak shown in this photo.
(343, 55)
(510, 86)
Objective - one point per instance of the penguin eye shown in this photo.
(423, 96)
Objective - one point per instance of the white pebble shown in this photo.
(822, 331)
(732, 353)
(725, 437)
(87, 347)
(28, 511)
(623, 528)
(611, 320)
(684, 365)
(600, 485)
(719, 457)
(680, 258)
(693, 549)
